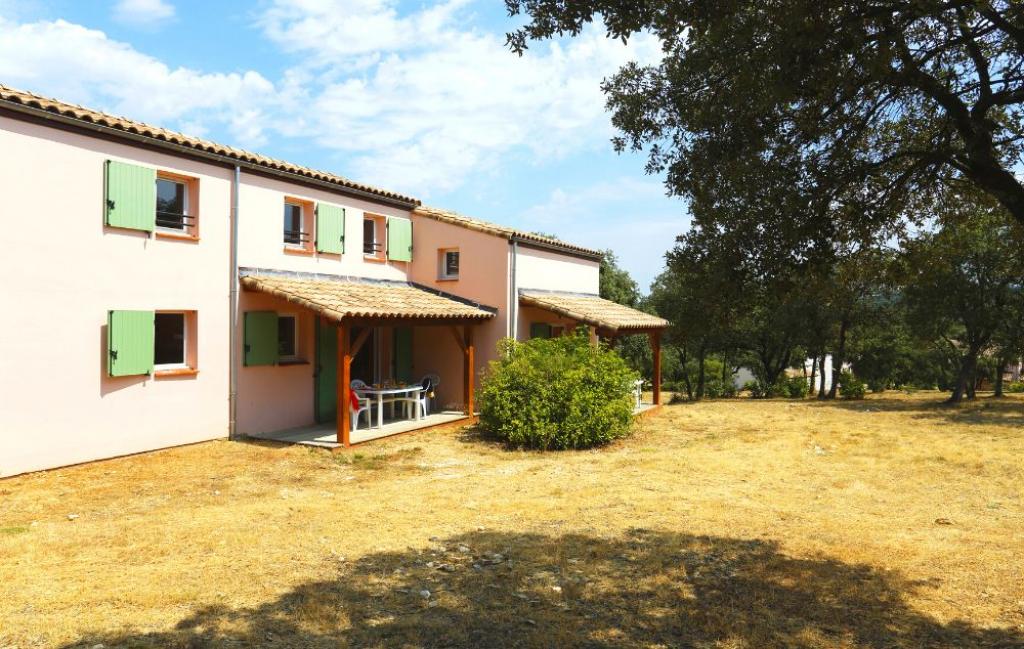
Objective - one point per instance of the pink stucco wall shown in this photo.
(63, 270)
(551, 271)
(483, 277)
(260, 226)
(272, 398)
(276, 397)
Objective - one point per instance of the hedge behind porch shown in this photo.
(557, 393)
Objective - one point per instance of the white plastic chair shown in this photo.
(435, 380)
(423, 396)
(364, 405)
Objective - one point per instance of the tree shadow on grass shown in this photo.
(984, 411)
(642, 589)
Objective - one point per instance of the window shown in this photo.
(170, 341)
(294, 235)
(143, 198)
(172, 204)
(287, 337)
(448, 264)
(373, 246)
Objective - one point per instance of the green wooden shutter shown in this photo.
(330, 228)
(399, 239)
(130, 200)
(540, 330)
(260, 338)
(403, 354)
(130, 342)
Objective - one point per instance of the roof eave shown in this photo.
(115, 133)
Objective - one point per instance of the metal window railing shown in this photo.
(296, 237)
(174, 220)
(372, 248)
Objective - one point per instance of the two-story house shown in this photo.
(162, 290)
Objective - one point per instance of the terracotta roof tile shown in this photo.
(338, 297)
(87, 115)
(593, 310)
(454, 218)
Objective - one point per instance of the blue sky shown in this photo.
(417, 97)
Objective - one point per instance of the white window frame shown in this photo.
(185, 227)
(295, 336)
(184, 343)
(442, 271)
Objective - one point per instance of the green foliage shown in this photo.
(878, 103)
(795, 387)
(1016, 387)
(615, 282)
(850, 387)
(557, 393)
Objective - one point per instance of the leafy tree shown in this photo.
(1008, 340)
(886, 99)
(615, 282)
(963, 280)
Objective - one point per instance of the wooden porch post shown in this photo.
(468, 368)
(655, 338)
(344, 379)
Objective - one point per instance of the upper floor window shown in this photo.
(294, 235)
(448, 263)
(172, 208)
(373, 237)
(143, 198)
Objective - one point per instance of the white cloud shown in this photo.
(80, 65)
(143, 13)
(419, 101)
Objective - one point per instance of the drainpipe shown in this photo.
(233, 308)
(513, 311)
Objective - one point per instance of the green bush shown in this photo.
(1015, 387)
(791, 388)
(761, 390)
(795, 387)
(716, 388)
(850, 387)
(557, 393)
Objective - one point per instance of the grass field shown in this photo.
(891, 522)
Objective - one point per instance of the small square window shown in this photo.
(294, 235)
(287, 337)
(172, 204)
(449, 264)
(170, 341)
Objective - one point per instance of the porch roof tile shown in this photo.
(337, 297)
(593, 310)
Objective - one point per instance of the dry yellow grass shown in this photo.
(886, 523)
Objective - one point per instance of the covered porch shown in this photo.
(367, 335)
(554, 311)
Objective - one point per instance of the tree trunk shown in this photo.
(821, 390)
(968, 364)
(701, 356)
(814, 369)
(686, 372)
(1000, 370)
(839, 358)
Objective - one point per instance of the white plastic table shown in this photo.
(380, 393)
